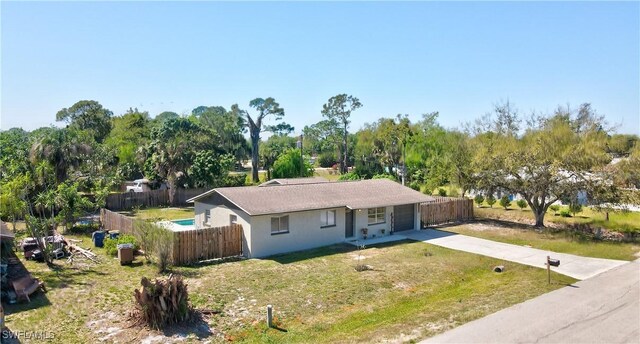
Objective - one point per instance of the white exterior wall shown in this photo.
(220, 217)
(304, 233)
(362, 221)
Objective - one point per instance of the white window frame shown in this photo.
(282, 222)
(207, 216)
(379, 215)
(324, 218)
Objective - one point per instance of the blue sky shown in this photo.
(411, 58)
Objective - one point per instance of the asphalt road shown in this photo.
(602, 309)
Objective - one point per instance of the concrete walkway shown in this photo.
(603, 309)
(570, 265)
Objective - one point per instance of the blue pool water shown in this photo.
(186, 222)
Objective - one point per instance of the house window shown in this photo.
(207, 216)
(280, 225)
(377, 215)
(233, 219)
(328, 218)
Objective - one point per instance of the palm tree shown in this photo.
(63, 149)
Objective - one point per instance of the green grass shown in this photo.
(161, 214)
(549, 239)
(618, 221)
(329, 174)
(317, 295)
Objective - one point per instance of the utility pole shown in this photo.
(299, 144)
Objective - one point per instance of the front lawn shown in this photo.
(413, 290)
(618, 221)
(548, 239)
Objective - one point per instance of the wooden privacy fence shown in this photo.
(191, 246)
(113, 221)
(444, 210)
(153, 198)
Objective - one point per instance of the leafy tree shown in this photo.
(64, 149)
(130, 132)
(273, 148)
(165, 116)
(458, 155)
(70, 203)
(265, 108)
(227, 128)
(323, 137)
(172, 150)
(88, 115)
(552, 160)
(428, 158)
(505, 202)
(339, 108)
(14, 153)
(13, 195)
(491, 201)
(209, 169)
(479, 199)
(280, 129)
(575, 207)
(290, 164)
(521, 204)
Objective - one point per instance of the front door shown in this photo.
(348, 224)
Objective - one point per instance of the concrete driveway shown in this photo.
(570, 265)
(602, 309)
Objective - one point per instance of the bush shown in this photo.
(479, 199)
(505, 202)
(415, 185)
(575, 208)
(521, 204)
(384, 176)
(327, 159)
(442, 192)
(111, 245)
(565, 213)
(238, 179)
(555, 208)
(157, 243)
(491, 201)
(350, 176)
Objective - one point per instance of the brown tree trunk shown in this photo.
(539, 214)
(171, 179)
(255, 146)
(343, 165)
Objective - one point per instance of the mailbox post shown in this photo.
(550, 263)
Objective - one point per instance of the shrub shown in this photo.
(505, 202)
(565, 213)
(491, 201)
(111, 245)
(442, 192)
(415, 185)
(326, 159)
(521, 204)
(384, 176)
(555, 208)
(350, 176)
(575, 208)
(238, 179)
(479, 199)
(157, 243)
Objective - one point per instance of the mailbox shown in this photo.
(554, 262)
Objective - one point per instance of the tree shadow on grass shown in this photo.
(197, 325)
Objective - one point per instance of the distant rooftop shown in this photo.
(294, 181)
(277, 199)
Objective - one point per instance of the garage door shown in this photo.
(403, 217)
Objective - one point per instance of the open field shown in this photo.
(327, 173)
(414, 290)
(548, 239)
(618, 221)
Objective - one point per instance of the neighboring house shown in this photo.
(292, 217)
(291, 181)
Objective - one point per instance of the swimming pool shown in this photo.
(184, 222)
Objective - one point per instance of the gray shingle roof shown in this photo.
(279, 199)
